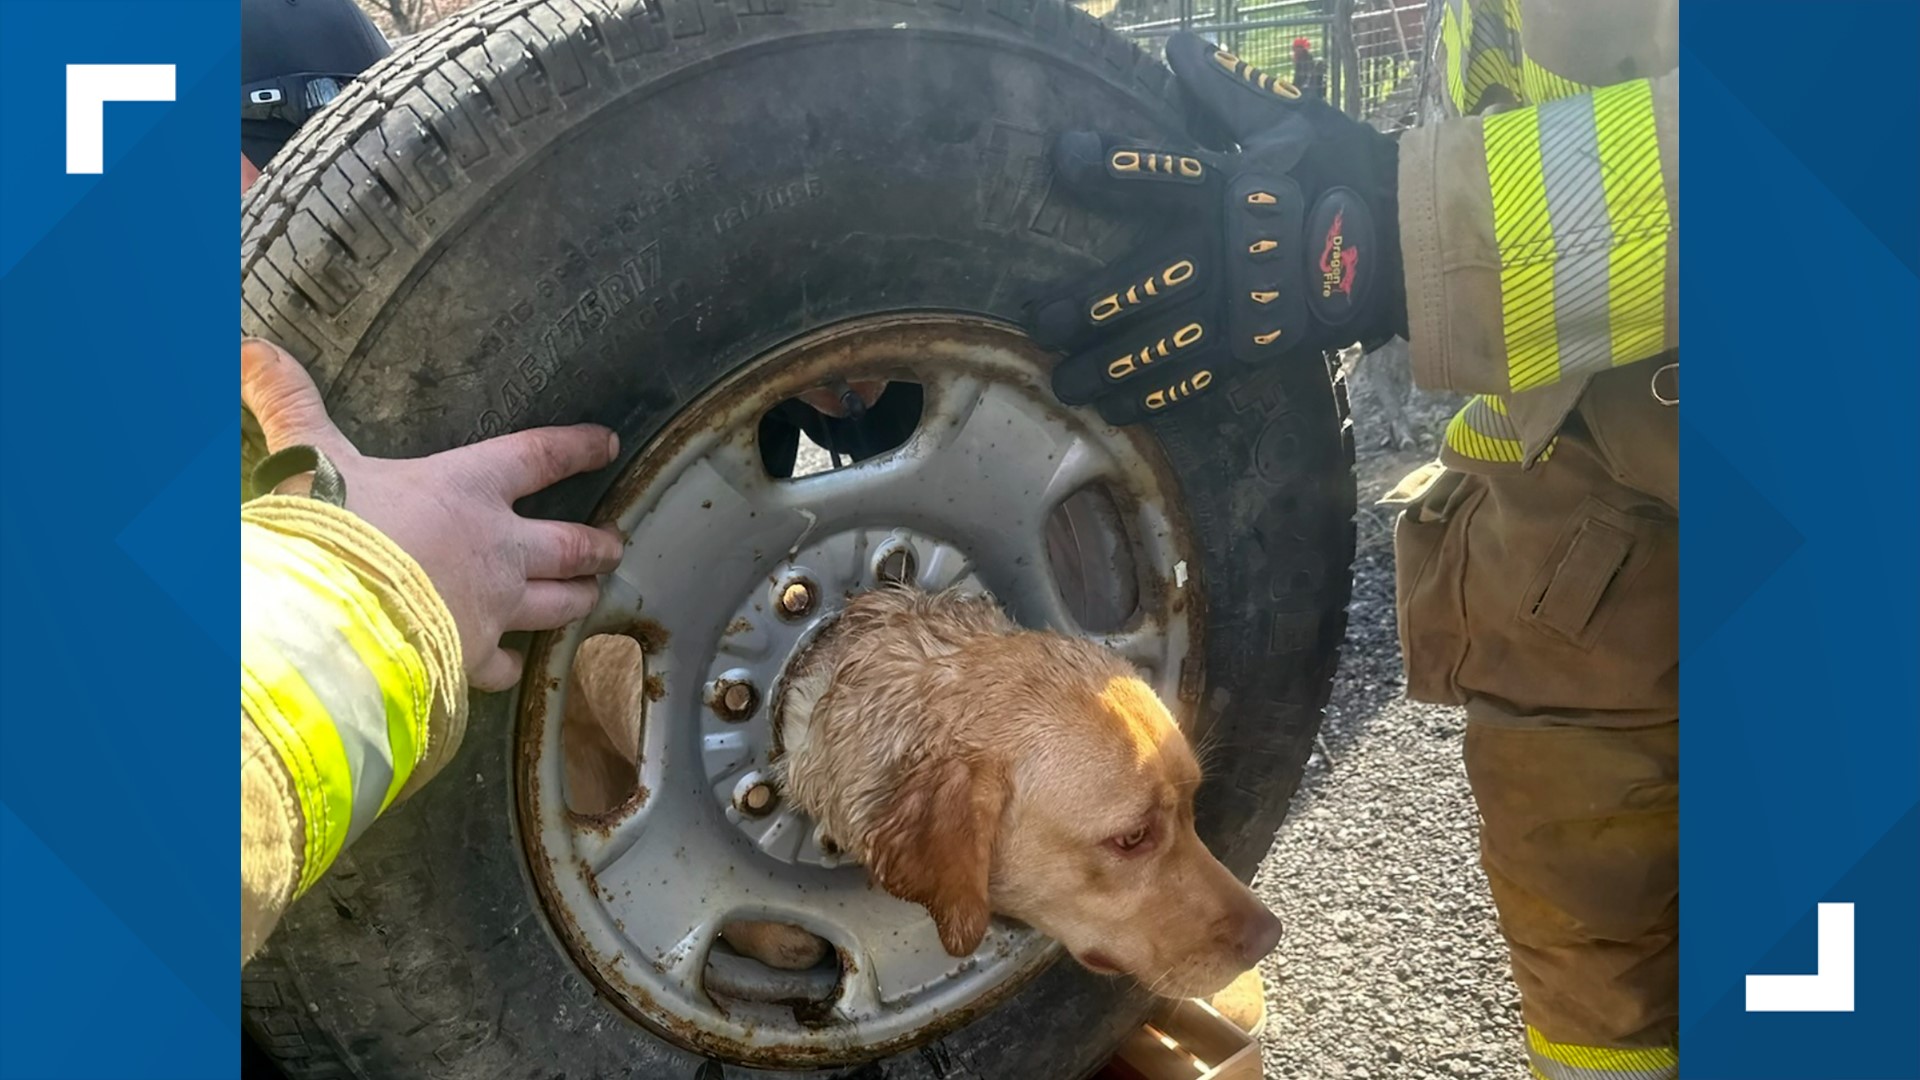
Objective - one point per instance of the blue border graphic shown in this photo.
(118, 591)
(1800, 585)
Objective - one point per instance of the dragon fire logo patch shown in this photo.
(1345, 230)
(1337, 260)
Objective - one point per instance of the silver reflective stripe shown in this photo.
(1582, 233)
(307, 634)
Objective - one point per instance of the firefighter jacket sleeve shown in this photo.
(1540, 237)
(1541, 243)
(351, 693)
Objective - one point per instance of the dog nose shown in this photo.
(1259, 933)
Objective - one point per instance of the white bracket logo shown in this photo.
(89, 88)
(1829, 988)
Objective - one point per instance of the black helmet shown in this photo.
(295, 56)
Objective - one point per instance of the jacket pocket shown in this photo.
(1598, 550)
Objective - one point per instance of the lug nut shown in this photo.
(737, 698)
(796, 599)
(754, 796)
(734, 700)
(897, 567)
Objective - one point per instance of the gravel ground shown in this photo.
(1392, 965)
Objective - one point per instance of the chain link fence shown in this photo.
(1365, 56)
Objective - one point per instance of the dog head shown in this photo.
(1098, 849)
(1054, 787)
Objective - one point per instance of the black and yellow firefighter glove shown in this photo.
(1279, 250)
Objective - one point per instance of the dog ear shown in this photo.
(934, 845)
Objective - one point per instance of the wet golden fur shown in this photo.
(979, 769)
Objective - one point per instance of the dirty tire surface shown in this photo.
(591, 210)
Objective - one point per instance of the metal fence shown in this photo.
(1369, 52)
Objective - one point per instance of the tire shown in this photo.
(574, 210)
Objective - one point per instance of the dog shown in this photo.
(979, 769)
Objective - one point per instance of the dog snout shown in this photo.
(1256, 935)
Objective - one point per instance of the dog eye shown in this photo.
(1132, 840)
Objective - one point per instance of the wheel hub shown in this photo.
(750, 661)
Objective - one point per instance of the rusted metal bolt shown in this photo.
(737, 698)
(756, 799)
(734, 700)
(796, 599)
(897, 567)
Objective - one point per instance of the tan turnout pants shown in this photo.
(1546, 602)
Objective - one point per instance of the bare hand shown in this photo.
(453, 513)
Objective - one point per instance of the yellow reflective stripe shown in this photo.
(1524, 232)
(1481, 431)
(1493, 38)
(295, 724)
(1464, 440)
(1582, 224)
(1543, 85)
(1453, 39)
(1483, 50)
(1537, 84)
(405, 691)
(350, 694)
(1569, 1061)
(330, 597)
(1487, 67)
(1629, 153)
(1480, 53)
